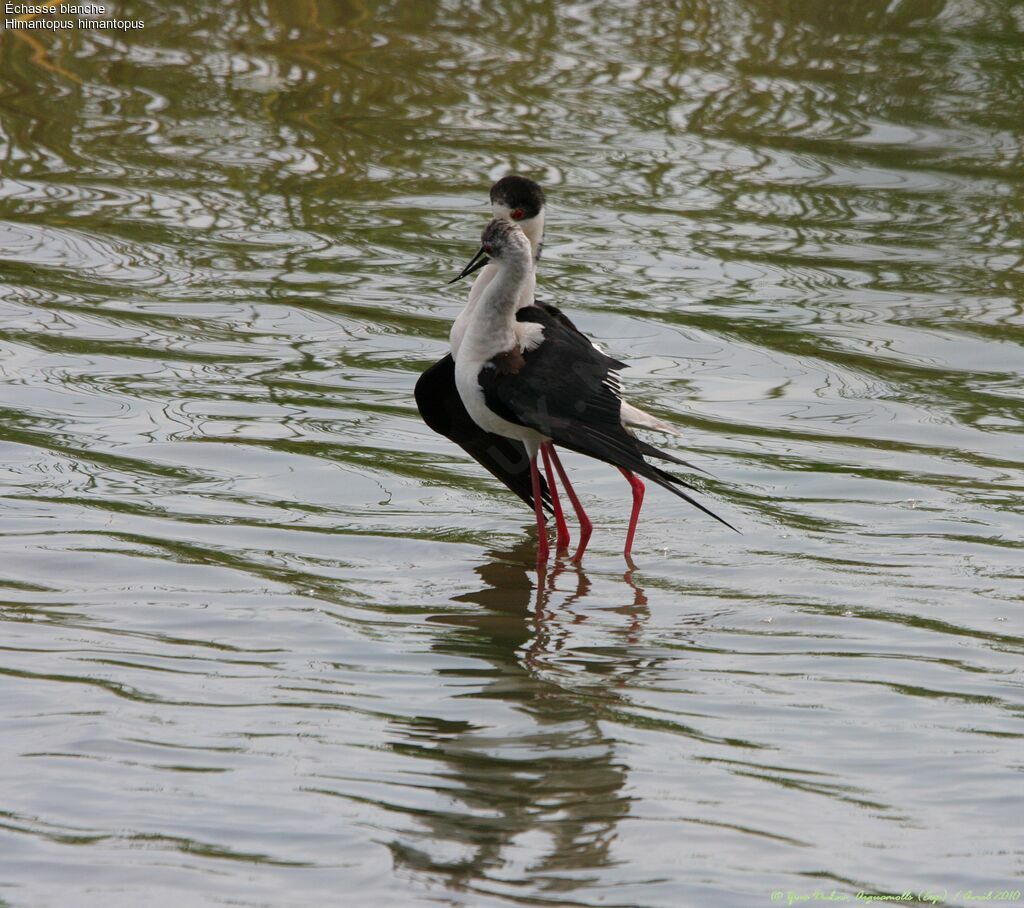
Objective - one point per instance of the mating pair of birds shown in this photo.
(521, 379)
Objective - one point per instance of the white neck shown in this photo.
(534, 230)
(491, 323)
(514, 274)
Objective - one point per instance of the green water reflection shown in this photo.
(267, 640)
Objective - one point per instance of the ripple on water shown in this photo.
(267, 638)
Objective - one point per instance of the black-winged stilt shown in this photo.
(526, 374)
(522, 200)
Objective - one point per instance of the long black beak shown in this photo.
(475, 264)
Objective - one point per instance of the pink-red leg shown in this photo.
(538, 507)
(563, 538)
(586, 527)
(638, 500)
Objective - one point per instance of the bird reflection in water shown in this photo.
(549, 601)
(537, 783)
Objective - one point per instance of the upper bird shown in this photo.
(523, 372)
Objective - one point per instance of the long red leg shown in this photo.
(638, 500)
(563, 538)
(586, 527)
(538, 507)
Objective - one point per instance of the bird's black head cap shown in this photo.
(519, 194)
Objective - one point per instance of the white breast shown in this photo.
(467, 381)
(491, 328)
(487, 273)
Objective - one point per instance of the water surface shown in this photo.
(268, 641)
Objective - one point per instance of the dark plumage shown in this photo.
(443, 410)
(568, 390)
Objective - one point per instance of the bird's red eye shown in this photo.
(488, 249)
(518, 214)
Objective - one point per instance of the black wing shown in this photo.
(568, 390)
(558, 315)
(645, 449)
(443, 410)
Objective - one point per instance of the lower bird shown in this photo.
(524, 373)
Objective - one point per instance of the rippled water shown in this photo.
(268, 641)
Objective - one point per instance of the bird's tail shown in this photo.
(672, 483)
(620, 449)
(651, 451)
